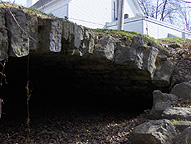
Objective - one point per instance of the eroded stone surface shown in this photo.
(184, 137)
(153, 132)
(3, 36)
(18, 39)
(182, 90)
(161, 101)
(177, 113)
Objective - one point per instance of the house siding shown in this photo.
(158, 29)
(131, 24)
(152, 27)
(90, 13)
(31, 2)
(57, 8)
(131, 8)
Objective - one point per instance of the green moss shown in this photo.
(175, 122)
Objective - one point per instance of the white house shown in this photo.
(152, 27)
(89, 13)
(103, 14)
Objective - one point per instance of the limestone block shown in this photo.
(78, 35)
(32, 23)
(149, 59)
(163, 73)
(177, 113)
(105, 48)
(56, 35)
(182, 90)
(87, 45)
(50, 34)
(160, 102)
(3, 36)
(141, 56)
(153, 132)
(66, 30)
(182, 125)
(138, 41)
(124, 54)
(19, 40)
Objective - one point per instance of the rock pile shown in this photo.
(170, 124)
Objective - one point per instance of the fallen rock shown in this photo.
(160, 102)
(182, 90)
(182, 125)
(177, 113)
(163, 73)
(154, 132)
(184, 137)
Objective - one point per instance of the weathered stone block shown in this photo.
(105, 48)
(50, 35)
(3, 36)
(161, 101)
(19, 40)
(182, 125)
(87, 45)
(32, 25)
(163, 73)
(182, 90)
(184, 137)
(177, 113)
(153, 132)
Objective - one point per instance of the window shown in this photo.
(126, 16)
(115, 10)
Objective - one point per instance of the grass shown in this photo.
(150, 41)
(27, 10)
(174, 41)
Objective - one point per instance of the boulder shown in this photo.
(182, 90)
(177, 113)
(3, 36)
(154, 132)
(160, 102)
(184, 137)
(163, 74)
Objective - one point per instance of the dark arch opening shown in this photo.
(66, 85)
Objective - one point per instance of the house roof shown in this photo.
(41, 3)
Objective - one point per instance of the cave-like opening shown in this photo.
(64, 85)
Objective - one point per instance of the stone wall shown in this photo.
(103, 67)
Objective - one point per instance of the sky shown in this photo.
(19, 2)
(23, 2)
